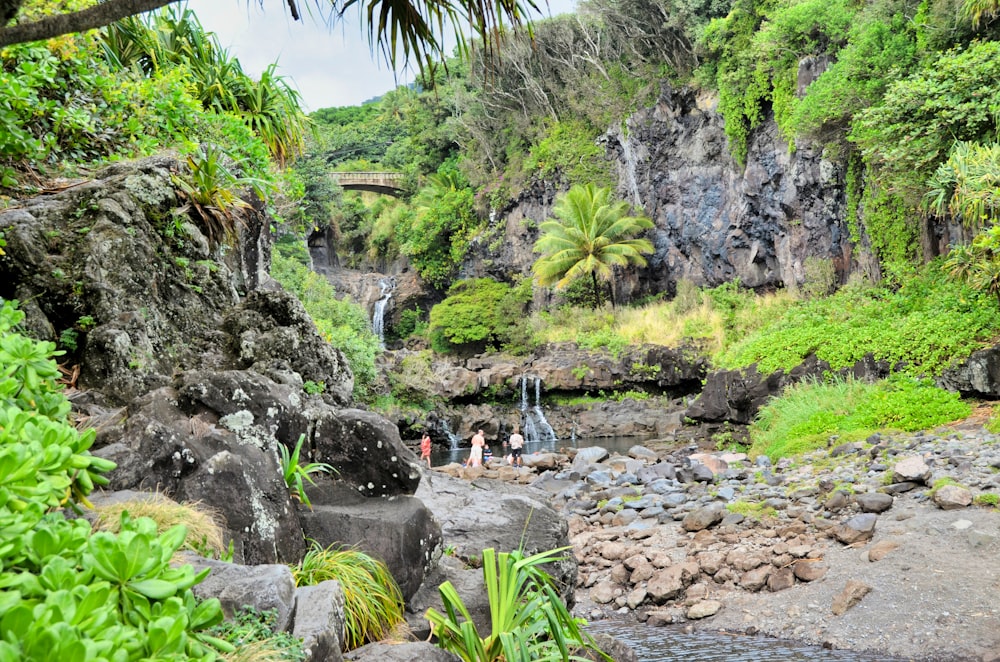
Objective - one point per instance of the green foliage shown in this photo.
(342, 323)
(528, 619)
(373, 603)
(919, 328)
(569, 150)
(314, 388)
(436, 237)
(251, 627)
(480, 312)
(807, 414)
(296, 474)
(412, 322)
(978, 265)
(213, 194)
(590, 235)
(70, 592)
(954, 96)
(989, 499)
(967, 185)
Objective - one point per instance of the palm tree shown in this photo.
(590, 234)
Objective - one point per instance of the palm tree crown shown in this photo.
(590, 234)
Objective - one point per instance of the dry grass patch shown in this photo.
(204, 529)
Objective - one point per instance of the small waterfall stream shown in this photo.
(386, 285)
(452, 437)
(536, 428)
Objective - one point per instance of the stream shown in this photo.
(669, 644)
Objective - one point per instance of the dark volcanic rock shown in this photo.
(400, 531)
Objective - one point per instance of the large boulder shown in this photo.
(398, 530)
(191, 457)
(272, 329)
(262, 587)
(476, 516)
(142, 291)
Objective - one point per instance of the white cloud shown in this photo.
(329, 65)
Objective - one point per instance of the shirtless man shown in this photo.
(516, 444)
(476, 455)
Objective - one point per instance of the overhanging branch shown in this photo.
(104, 13)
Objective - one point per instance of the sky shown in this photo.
(329, 65)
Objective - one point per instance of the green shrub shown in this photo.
(989, 499)
(253, 635)
(67, 589)
(373, 603)
(480, 313)
(919, 328)
(808, 414)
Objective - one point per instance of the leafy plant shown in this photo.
(67, 589)
(990, 499)
(212, 192)
(314, 388)
(528, 619)
(373, 603)
(252, 633)
(296, 475)
(479, 312)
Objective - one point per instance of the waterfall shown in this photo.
(386, 285)
(452, 437)
(536, 428)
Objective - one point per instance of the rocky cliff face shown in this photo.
(188, 359)
(715, 220)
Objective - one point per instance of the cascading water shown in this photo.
(536, 428)
(386, 285)
(452, 437)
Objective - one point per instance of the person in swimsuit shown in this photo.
(516, 443)
(476, 455)
(425, 449)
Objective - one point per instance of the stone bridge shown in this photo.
(387, 183)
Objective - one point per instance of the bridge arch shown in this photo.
(386, 183)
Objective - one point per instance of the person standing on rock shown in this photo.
(516, 443)
(476, 455)
(425, 449)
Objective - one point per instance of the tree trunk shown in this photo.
(104, 13)
(597, 290)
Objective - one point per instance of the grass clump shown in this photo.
(807, 414)
(943, 482)
(989, 499)
(204, 532)
(754, 510)
(373, 603)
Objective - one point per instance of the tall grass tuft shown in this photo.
(807, 414)
(373, 603)
(204, 530)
